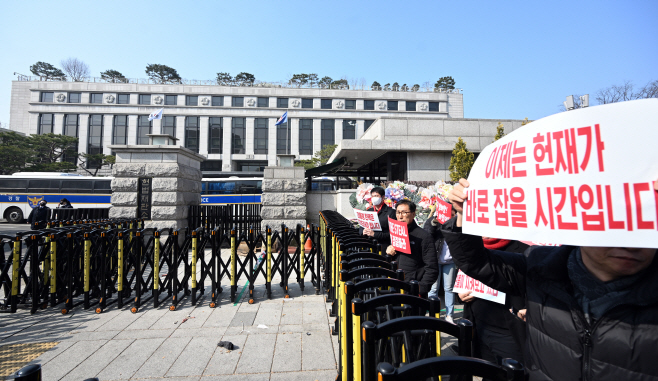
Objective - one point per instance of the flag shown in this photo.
(156, 115)
(283, 119)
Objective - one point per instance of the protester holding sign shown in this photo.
(592, 312)
(447, 268)
(383, 212)
(499, 333)
(420, 264)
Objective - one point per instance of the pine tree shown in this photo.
(461, 161)
(500, 131)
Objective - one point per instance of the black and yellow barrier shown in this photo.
(431, 368)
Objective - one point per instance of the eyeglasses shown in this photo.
(402, 212)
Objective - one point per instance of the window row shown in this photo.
(193, 100)
(215, 132)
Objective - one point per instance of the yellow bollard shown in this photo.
(269, 255)
(194, 256)
(87, 247)
(233, 259)
(120, 262)
(302, 240)
(53, 264)
(356, 350)
(156, 262)
(15, 280)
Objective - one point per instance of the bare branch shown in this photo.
(75, 68)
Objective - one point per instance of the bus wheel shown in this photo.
(14, 215)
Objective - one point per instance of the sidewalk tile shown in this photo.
(69, 359)
(163, 358)
(95, 363)
(317, 352)
(130, 360)
(194, 359)
(257, 354)
(288, 353)
(319, 375)
(240, 318)
(224, 361)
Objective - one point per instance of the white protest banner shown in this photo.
(368, 219)
(443, 211)
(582, 177)
(399, 236)
(465, 283)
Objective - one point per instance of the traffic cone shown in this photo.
(308, 245)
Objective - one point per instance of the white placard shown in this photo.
(368, 219)
(582, 177)
(465, 283)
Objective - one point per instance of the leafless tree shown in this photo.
(626, 92)
(354, 82)
(362, 83)
(75, 68)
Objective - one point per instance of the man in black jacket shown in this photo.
(38, 217)
(592, 312)
(421, 264)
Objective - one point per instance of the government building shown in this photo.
(234, 126)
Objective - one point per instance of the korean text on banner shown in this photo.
(399, 236)
(368, 219)
(465, 283)
(443, 211)
(572, 178)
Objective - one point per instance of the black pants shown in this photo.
(495, 346)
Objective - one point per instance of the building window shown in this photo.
(367, 123)
(434, 106)
(327, 136)
(263, 102)
(144, 127)
(95, 98)
(215, 136)
(325, 104)
(237, 101)
(171, 100)
(95, 139)
(368, 105)
(211, 165)
(251, 166)
(350, 104)
(192, 133)
(144, 99)
(260, 135)
(307, 103)
(218, 101)
(74, 97)
(392, 105)
(349, 129)
(306, 136)
(283, 138)
(192, 100)
(410, 106)
(120, 130)
(46, 123)
(71, 129)
(123, 99)
(169, 125)
(282, 102)
(46, 97)
(238, 135)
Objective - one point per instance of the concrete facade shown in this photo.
(26, 107)
(284, 197)
(176, 183)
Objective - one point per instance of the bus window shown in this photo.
(13, 186)
(77, 186)
(43, 186)
(221, 187)
(103, 186)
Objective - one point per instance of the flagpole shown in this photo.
(288, 124)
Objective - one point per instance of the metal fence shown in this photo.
(225, 217)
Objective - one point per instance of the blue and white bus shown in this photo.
(22, 191)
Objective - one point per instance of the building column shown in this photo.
(83, 132)
(226, 150)
(294, 136)
(360, 126)
(271, 141)
(338, 130)
(58, 126)
(180, 130)
(157, 126)
(360, 104)
(317, 135)
(108, 121)
(249, 136)
(204, 127)
(132, 129)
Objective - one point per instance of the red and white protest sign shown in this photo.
(399, 236)
(368, 219)
(465, 283)
(582, 177)
(443, 211)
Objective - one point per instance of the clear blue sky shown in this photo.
(514, 59)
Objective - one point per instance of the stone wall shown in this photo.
(176, 183)
(284, 197)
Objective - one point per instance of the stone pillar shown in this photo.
(284, 197)
(176, 183)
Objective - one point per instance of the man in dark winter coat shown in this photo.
(421, 264)
(592, 312)
(383, 212)
(38, 217)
